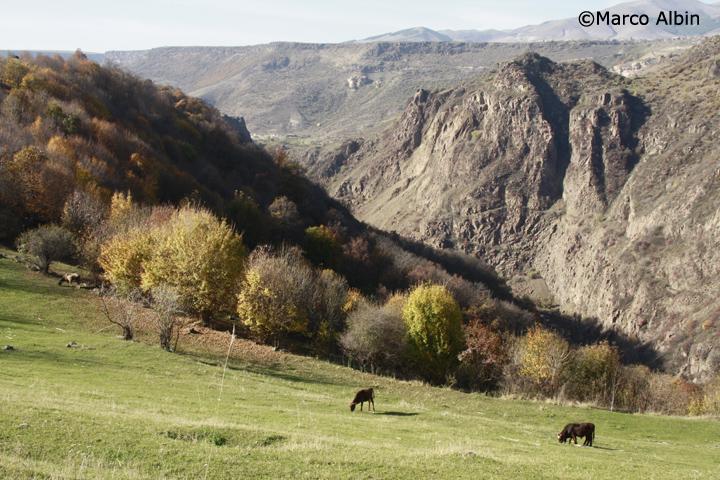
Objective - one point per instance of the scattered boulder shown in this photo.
(72, 344)
(357, 81)
(715, 69)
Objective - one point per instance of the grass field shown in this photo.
(115, 409)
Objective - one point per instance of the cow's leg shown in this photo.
(361, 405)
(574, 437)
(372, 402)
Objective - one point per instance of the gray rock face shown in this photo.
(611, 197)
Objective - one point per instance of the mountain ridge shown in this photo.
(572, 185)
(570, 29)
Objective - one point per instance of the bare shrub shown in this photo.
(669, 395)
(376, 337)
(121, 309)
(633, 392)
(82, 212)
(166, 305)
(327, 318)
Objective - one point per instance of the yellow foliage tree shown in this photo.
(123, 258)
(434, 325)
(544, 359)
(121, 205)
(262, 309)
(276, 294)
(199, 255)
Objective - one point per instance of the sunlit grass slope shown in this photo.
(115, 409)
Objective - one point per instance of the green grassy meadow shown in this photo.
(128, 410)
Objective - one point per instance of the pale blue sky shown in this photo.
(100, 25)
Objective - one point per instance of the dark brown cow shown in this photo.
(574, 430)
(367, 395)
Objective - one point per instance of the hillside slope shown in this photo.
(126, 410)
(606, 188)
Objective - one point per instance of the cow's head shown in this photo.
(352, 407)
(562, 436)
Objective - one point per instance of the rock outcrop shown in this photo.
(605, 188)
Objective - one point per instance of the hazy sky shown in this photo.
(98, 25)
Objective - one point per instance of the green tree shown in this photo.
(594, 374)
(434, 324)
(321, 245)
(46, 244)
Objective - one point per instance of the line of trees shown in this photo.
(186, 261)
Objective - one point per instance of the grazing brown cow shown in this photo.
(574, 430)
(367, 395)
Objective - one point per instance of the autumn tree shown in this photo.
(434, 324)
(12, 72)
(481, 363)
(44, 183)
(124, 255)
(275, 294)
(285, 212)
(544, 359)
(201, 257)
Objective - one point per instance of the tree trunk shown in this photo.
(127, 332)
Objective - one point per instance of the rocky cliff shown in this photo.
(600, 191)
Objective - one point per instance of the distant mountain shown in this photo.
(417, 34)
(570, 28)
(474, 35)
(318, 93)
